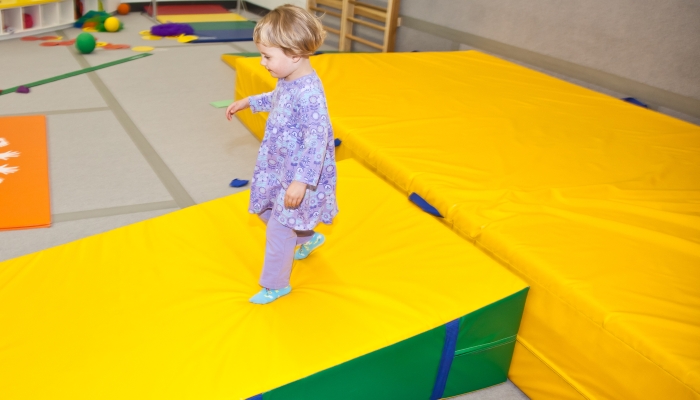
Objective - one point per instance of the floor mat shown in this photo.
(225, 31)
(159, 309)
(24, 176)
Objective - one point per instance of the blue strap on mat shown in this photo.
(238, 182)
(448, 354)
(256, 397)
(424, 205)
(636, 102)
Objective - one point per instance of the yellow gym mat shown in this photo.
(594, 201)
(200, 18)
(159, 309)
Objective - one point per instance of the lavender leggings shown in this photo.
(279, 252)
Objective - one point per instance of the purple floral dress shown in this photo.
(297, 146)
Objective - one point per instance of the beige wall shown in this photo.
(656, 43)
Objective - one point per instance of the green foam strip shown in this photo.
(243, 54)
(221, 104)
(74, 73)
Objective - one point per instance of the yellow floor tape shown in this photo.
(200, 18)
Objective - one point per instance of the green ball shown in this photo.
(85, 43)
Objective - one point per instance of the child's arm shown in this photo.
(261, 102)
(294, 195)
(237, 106)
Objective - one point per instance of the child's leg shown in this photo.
(279, 254)
(304, 236)
(265, 215)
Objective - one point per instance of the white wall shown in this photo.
(271, 4)
(653, 42)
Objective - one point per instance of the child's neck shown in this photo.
(303, 69)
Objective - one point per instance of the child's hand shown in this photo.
(294, 195)
(237, 106)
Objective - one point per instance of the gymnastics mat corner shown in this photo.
(230, 60)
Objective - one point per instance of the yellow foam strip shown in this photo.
(537, 379)
(200, 18)
(159, 309)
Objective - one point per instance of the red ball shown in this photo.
(123, 9)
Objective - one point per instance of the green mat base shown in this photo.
(407, 370)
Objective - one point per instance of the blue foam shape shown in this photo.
(256, 397)
(448, 355)
(636, 102)
(337, 142)
(238, 183)
(424, 205)
(230, 35)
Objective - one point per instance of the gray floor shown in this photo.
(133, 141)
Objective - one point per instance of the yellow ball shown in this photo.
(112, 24)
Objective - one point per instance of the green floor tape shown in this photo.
(74, 73)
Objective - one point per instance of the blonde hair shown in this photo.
(296, 31)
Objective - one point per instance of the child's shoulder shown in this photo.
(310, 85)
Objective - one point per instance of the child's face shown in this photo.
(276, 62)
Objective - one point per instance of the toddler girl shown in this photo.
(293, 186)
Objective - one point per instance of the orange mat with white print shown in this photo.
(24, 173)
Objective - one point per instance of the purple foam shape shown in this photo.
(22, 89)
(172, 29)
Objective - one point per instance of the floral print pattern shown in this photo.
(298, 146)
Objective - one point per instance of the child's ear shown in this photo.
(296, 59)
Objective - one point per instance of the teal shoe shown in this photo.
(305, 249)
(266, 295)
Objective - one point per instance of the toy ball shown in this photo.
(112, 24)
(85, 43)
(123, 9)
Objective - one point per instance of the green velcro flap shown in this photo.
(486, 346)
(479, 369)
(492, 323)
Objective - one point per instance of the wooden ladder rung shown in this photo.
(331, 30)
(370, 13)
(361, 4)
(331, 3)
(367, 24)
(325, 11)
(365, 41)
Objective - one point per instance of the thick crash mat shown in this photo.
(593, 201)
(394, 305)
(24, 173)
